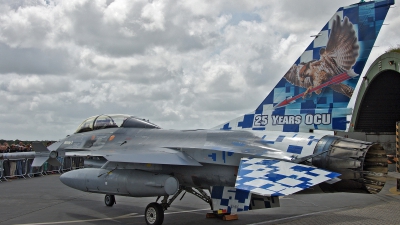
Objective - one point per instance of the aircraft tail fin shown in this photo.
(316, 90)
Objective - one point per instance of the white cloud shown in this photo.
(117, 11)
(153, 15)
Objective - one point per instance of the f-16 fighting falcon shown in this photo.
(249, 162)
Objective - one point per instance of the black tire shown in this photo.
(154, 214)
(109, 200)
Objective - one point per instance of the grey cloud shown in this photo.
(241, 16)
(34, 60)
(144, 74)
(16, 4)
(162, 94)
(28, 85)
(89, 29)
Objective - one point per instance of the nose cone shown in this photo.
(74, 179)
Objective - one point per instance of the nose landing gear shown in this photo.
(109, 200)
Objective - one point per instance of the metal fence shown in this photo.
(21, 168)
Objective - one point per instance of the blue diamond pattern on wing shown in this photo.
(276, 178)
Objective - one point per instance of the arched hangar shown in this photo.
(377, 107)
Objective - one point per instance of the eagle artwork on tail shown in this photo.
(338, 57)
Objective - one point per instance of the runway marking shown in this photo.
(126, 216)
(194, 210)
(294, 217)
(130, 215)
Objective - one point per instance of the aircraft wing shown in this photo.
(152, 155)
(268, 177)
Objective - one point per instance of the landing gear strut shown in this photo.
(154, 213)
(109, 200)
(194, 191)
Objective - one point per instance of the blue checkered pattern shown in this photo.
(230, 199)
(278, 178)
(367, 19)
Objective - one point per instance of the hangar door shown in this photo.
(377, 107)
(380, 106)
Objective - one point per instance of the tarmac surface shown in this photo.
(45, 200)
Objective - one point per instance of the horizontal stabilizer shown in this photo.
(38, 161)
(54, 162)
(268, 177)
(39, 147)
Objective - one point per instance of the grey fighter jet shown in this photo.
(248, 162)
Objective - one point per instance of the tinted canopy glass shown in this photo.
(113, 121)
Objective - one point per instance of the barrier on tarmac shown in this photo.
(33, 170)
(1, 170)
(47, 168)
(66, 164)
(72, 163)
(17, 168)
(77, 162)
(10, 168)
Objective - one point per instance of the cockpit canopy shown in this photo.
(112, 121)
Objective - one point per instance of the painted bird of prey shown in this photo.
(338, 57)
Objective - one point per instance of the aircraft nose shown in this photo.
(74, 179)
(65, 178)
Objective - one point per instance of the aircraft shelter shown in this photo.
(377, 107)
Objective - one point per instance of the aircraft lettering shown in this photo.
(234, 207)
(290, 119)
(318, 119)
(260, 120)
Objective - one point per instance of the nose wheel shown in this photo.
(154, 214)
(109, 200)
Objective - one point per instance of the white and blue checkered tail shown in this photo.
(230, 200)
(315, 92)
(268, 177)
(227, 200)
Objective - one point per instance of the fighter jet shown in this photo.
(249, 162)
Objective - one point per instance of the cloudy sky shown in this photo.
(180, 64)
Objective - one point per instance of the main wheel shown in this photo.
(109, 200)
(154, 214)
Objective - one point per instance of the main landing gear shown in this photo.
(154, 213)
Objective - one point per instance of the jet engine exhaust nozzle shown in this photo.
(363, 165)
